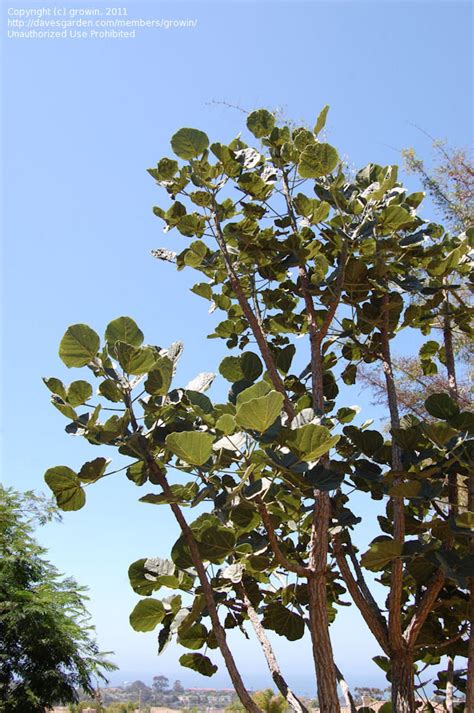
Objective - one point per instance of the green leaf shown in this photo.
(66, 487)
(368, 441)
(194, 637)
(324, 478)
(261, 388)
(189, 143)
(135, 360)
(251, 365)
(198, 662)
(193, 447)
(63, 407)
(92, 470)
(283, 621)
(147, 614)
(215, 543)
(393, 218)
(56, 386)
(260, 123)
(259, 414)
(226, 424)
(79, 345)
(138, 581)
(321, 120)
(160, 377)
(311, 441)
(231, 369)
(79, 392)
(381, 553)
(110, 391)
(317, 160)
(124, 329)
(441, 406)
(247, 366)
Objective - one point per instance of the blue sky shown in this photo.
(82, 120)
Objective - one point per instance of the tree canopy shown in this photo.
(47, 647)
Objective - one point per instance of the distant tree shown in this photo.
(178, 687)
(450, 182)
(160, 684)
(47, 649)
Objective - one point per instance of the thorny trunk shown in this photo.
(403, 686)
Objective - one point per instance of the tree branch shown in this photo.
(423, 609)
(396, 583)
(269, 654)
(300, 570)
(371, 614)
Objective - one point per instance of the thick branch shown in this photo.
(298, 569)
(319, 541)
(372, 616)
(396, 583)
(251, 318)
(269, 654)
(217, 627)
(423, 609)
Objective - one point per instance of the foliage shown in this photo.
(289, 246)
(450, 183)
(47, 648)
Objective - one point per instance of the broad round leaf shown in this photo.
(66, 487)
(441, 406)
(260, 123)
(147, 614)
(79, 345)
(193, 447)
(79, 392)
(380, 554)
(259, 414)
(189, 143)
(311, 441)
(135, 360)
(198, 662)
(283, 621)
(193, 638)
(124, 329)
(317, 160)
(92, 470)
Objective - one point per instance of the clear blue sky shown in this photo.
(82, 120)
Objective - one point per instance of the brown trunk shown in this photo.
(403, 687)
(322, 648)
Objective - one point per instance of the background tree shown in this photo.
(47, 649)
(160, 684)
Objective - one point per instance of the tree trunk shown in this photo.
(322, 648)
(403, 686)
(449, 686)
